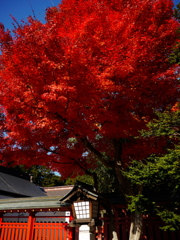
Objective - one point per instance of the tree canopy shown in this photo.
(161, 174)
(81, 86)
(94, 73)
(41, 175)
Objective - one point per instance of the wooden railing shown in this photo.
(35, 231)
(14, 231)
(49, 231)
(32, 230)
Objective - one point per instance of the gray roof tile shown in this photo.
(18, 186)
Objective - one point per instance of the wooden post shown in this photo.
(116, 215)
(76, 237)
(30, 229)
(106, 232)
(1, 220)
(92, 232)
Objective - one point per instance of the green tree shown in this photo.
(83, 178)
(107, 181)
(160, 174)
(41, 175)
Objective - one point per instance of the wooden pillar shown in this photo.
(76, 233)
(92, 232)
(106, 227)
(1, 220)
(31, 220)
(1, 217)
(116, 215)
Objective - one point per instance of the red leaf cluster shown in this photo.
(96, 70)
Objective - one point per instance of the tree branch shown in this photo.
(98, 154)
(47, 150)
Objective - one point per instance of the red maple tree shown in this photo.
(86, 82)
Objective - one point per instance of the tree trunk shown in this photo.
(128, 190)
(136, 226)
(136, 217)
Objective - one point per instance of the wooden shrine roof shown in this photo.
(32, 203)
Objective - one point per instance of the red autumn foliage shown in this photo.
(85, 82)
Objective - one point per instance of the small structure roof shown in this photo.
(82, 191)
(60, 191)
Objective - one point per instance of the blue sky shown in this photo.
(21, 9)
(176, 2)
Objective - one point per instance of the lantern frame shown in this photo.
(85, 202)
(85, 210)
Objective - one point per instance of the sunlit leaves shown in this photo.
(95, 68)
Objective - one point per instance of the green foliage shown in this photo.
(159, 174)
(84, 178)
(166, 124)
(157, 170)
(175, 55)
(106, 179)
(171, 219)
(41, 175)
(141, 204)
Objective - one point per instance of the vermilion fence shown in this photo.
(13, 231)
(49, 231)
(32, 230)
(39, 231)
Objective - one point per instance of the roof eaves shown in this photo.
(31, 203)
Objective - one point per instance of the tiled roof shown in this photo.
(31, 203)
(59, 191)
(15, 186)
